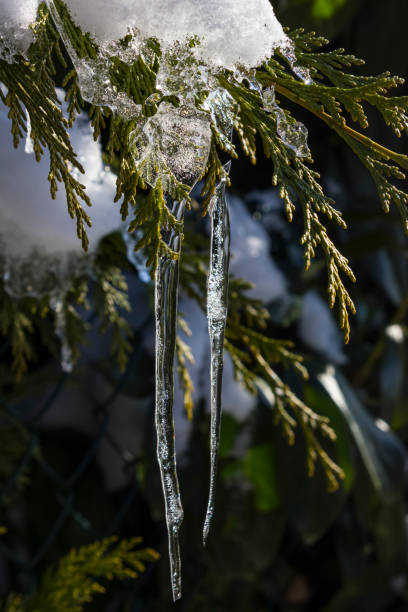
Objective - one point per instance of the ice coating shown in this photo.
(294, 135)
(15, 20)
(253, 30)
(93, 74)
(174, 139)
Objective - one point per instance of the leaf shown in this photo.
(259, 468)
(326, 9)
(230, 429)
(344, 456)
(311, 508)
(381, 451)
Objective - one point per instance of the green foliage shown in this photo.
(332, 92)
(81, 575)
(29, 322)
(333, 95)
(326, 9)
(184, 355)
(31, 89)
(153, 217)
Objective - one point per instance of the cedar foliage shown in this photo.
(335, 96)
(82, 574)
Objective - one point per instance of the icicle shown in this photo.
(57, 306)
(294, 135)
(217, 306)
(166, 295)
(29, 147)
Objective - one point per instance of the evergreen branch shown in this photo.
(152, 216)
(76, 580)
(22, 319)
(293, 176)
(48, 130)
(110, 297)
(341, 126)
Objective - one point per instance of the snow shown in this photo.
(250, 259)
(29, 218)
(318, 330)
(15, 19)
(231, 32)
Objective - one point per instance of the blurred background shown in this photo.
(77, 450)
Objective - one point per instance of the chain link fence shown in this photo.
(77, 440)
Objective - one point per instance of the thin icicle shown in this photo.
(29, 146)
(217, 307)
(166, 296)
(57, 306)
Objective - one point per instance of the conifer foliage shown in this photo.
(80, 576)
(335, 95)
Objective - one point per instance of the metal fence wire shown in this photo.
(80, 460)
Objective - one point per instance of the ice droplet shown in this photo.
(287, 49)
(294, 135)
(217, 309)
(166, 297)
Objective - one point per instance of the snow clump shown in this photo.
(15, 20)
(231, 33)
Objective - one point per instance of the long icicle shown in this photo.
(166, 297)
(217, 308)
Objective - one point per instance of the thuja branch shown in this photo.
(340, 127)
